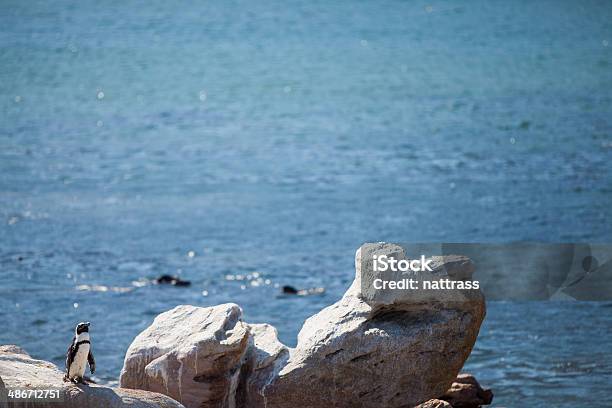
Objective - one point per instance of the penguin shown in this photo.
(79, 354)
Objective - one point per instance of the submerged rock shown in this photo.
(19, 370)
(361, 351)
(290, 290)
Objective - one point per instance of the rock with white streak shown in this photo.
(193, 354)
(268, 357)
(434, 403)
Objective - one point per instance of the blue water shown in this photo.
(273, 138)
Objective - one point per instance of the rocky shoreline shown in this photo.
(398, 352)
(20, 371)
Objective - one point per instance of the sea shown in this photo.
(245, 146)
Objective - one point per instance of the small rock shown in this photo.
(434, 403)
(465, 392)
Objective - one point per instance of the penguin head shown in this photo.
(82, 327)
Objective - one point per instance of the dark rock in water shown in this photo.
(290, 290)
(171, 280)
(164, 279)
(465, 392)
(179, 282)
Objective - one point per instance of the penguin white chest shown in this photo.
(79, 363)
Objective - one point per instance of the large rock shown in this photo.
(193, 354)
(391, 351)
(365, 350)
(19, 370)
